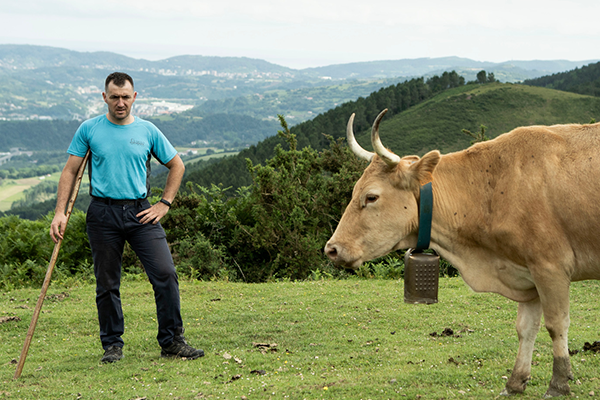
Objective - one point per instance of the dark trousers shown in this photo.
(108, 227)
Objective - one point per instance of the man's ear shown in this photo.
(422, 169)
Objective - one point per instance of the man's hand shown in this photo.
(65, 187)
(153, 214)
(57, 228)
(159, 210)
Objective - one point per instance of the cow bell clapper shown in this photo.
(421, 270)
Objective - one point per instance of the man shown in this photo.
(121, 148)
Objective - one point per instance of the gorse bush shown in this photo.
(26, 248)
(276, 228)
(297, 197)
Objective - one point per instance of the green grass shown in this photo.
(351, 339)
(192, 159)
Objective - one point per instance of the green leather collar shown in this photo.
(425, 217)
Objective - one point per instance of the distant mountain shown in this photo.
(40, 82)
(509, 71)
(393, 68)
(17, 57)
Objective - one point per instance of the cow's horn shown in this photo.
(390, 158)
(354, 146)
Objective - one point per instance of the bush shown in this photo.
(26, 249)
(276, 228)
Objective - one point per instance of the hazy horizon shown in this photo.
(310, 33)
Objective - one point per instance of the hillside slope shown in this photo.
(438, 123)
(426, 124)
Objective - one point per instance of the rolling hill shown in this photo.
(438, 123)
(430, 123)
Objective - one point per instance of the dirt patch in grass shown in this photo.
(8, 319)
(587, 346)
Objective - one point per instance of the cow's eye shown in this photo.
(371, 198)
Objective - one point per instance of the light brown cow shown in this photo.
(518, 215)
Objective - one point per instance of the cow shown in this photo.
(518, 215)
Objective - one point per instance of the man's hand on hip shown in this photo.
(154, 213)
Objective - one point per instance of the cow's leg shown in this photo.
(555, 304)
(529, 315)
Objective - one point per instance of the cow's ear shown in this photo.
(422, 169)
(409, 160)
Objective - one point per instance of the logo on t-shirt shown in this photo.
(137, 142)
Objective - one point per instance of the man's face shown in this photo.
(119, 101)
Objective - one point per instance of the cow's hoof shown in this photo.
(509, 391)
(515, 386)
(554, 392)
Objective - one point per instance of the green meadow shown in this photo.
(12, 190)
(315, 339)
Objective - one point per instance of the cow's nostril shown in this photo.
(331, 252)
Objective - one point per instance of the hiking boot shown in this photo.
(180, 348)
(112, 354)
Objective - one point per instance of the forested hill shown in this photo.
(423, 115)
(584, 80)
(232, 171)
(438, 123)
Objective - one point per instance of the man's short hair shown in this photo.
(119, 79)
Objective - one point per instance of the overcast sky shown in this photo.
(310, 33)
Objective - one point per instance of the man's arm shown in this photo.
(159, 210)
(65, 187)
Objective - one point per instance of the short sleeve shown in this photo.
(79, 144)
(162, 149)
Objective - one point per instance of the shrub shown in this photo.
(277, 227)
(26, 248)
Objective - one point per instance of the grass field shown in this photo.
(192, 159)
(352, 339)
(12, 190)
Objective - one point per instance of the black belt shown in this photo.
(117, 202)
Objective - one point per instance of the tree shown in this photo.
(481, 77)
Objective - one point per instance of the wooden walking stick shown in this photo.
(38, 306)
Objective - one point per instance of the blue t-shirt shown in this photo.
(121, 154)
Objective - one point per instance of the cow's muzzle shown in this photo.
(338, 256)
